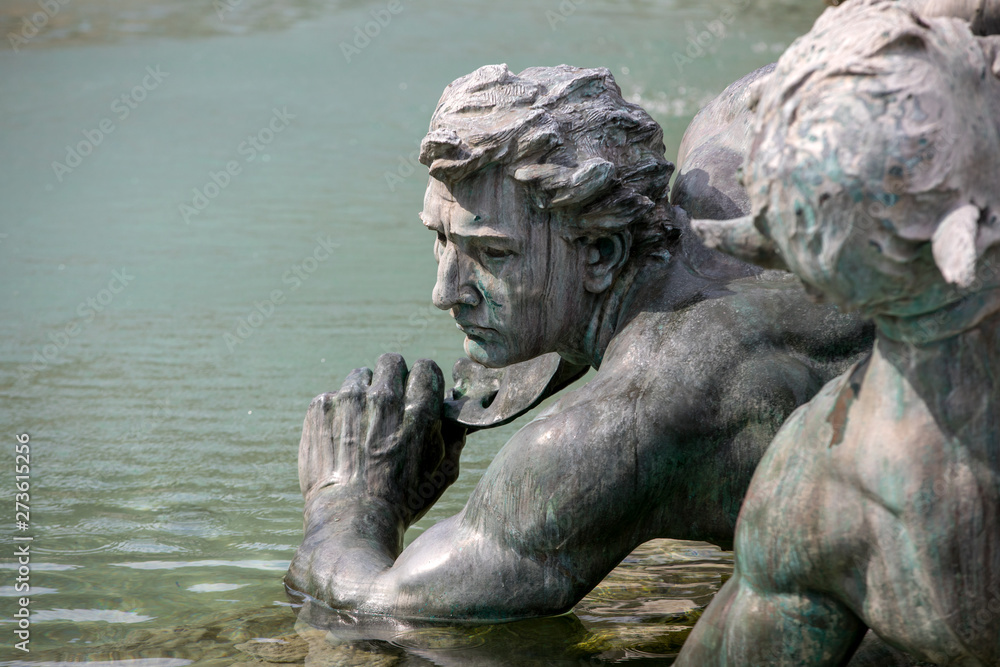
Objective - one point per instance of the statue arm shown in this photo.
(746, 626)
(523, 546)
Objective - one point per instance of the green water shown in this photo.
(164, 502)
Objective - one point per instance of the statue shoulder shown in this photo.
(775, 308)
(726, 320)
(739, 348)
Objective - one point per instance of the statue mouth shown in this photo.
(474, 331)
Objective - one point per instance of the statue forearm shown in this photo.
(348, 543)
(353, 560)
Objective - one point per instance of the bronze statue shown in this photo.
(874, 176)
(548, 201)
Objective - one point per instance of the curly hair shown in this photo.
(584, 154)
(875, 143)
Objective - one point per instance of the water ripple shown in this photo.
(271, 565)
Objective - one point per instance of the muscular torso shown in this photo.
(895, 496)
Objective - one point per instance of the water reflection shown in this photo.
(273, 565)
(88, 616)
(139, 662)
(108, 21)
(643, 611)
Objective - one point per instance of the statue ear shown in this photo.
(954, 245)
(602, 258)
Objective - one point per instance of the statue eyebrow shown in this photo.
(482, 231)
(486, 233)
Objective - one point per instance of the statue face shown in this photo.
(512, 283)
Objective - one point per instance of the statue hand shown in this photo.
(381, 437)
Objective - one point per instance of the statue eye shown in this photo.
(497, 253)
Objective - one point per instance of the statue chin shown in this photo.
(491, 355)
(497, 353)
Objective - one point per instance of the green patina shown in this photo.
(486, 296)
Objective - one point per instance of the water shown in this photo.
(148, 354)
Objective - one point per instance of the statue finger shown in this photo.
(424, 396)
(388, 383)
(357, 382)
(354, 391)
(453, 435)
(350, 403)
(385, 403)
(316, 449)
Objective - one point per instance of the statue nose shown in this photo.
(452, 287)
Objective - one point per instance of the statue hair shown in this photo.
(585, 155)
(883, 127)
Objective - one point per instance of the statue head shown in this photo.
(875, 161)
(544, 187)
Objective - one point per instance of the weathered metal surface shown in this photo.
(874, 175)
